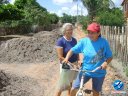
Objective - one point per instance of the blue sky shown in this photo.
(66, 6)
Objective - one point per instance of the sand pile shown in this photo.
(38, 48)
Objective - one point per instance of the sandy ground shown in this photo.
(45, 74)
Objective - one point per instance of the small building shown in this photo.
(125, 8)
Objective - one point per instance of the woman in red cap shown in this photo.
(97, 52)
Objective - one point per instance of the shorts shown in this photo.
(97, 82)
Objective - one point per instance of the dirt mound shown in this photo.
(36, 49)
(16, 85)
(22, 78)
(28, 79)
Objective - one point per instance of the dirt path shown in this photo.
(45, 74)
(47, 77)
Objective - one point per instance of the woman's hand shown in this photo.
(69, 54)
(65, 61)
(104, 65)
(80, 62)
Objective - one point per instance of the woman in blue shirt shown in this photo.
(97, 52)
(63, 45)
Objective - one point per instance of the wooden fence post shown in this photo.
(127, 43)
(118, 39)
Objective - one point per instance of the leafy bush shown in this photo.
(25, 13)
(111, 17)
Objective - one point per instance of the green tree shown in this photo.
(94, 6)
(10, 12)
(21, 4)
(84, 20)
(36, 14)
(54, 18)
(112, 17)
(25, 13)
(68, 18)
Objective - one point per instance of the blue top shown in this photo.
(95, 53)
(67, 45)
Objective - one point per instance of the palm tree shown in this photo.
(94, 6)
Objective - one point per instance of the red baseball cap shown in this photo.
(93, 27)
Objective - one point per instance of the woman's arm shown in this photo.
(69, 54)
(60, 53)
(80, 58)
(109, 60)
(108, 55)
(105, 64)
